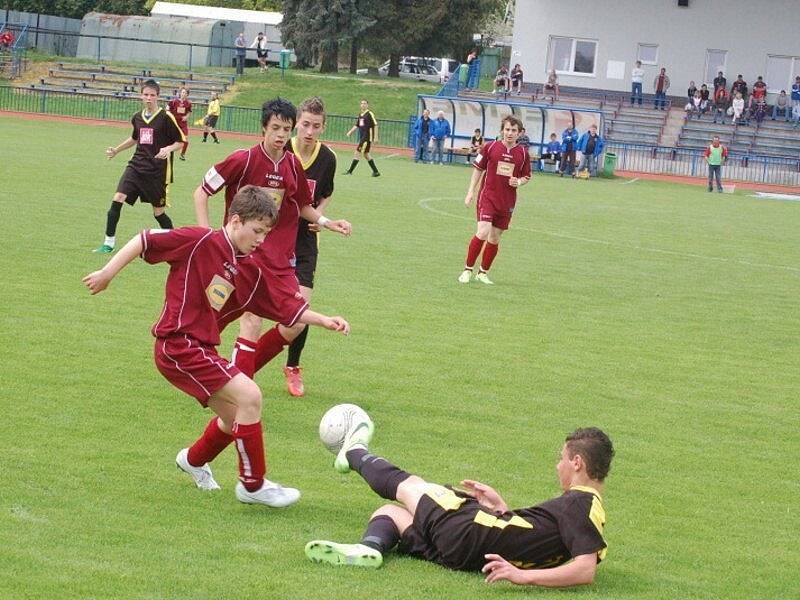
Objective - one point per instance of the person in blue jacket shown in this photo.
(591, 146)
(569, 144)
(440, 131)
(422, 136)
(796, 101)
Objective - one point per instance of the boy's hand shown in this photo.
(485, 495)
(163, 154)
(96, 281)
(110, 152)
(337, 324)
(340, 226)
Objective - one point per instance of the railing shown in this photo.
(240, 119)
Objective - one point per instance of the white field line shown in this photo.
(634, 180)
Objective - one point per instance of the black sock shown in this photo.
(372, 165)
(112, 218)
(353, 165)
(296, 348)
(381, 534)
(164, 220)
(214, 135)
(205, 136)
(381, 475)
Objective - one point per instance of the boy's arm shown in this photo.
(312, 215)
(99, 280)
(474, 185)
(352, 129)
(309, 317)
(164, 153)
(112, 151)
(201, 206)
(579, 571)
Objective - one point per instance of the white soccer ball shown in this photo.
(336, 422)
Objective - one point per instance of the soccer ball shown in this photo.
(336, 422)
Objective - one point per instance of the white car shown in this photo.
(410, 70)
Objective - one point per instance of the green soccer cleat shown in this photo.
(465, 276)
(104, 249)
(353, 555)
(483, 278)
(359, 434)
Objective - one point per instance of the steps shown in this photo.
(672, 128)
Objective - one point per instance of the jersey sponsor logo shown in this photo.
(276, 194)
(361, 122)
(146, 135)
(218, 292)
(312, 187)
(505, 169)
(230, 269)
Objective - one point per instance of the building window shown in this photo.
(648, 54)
(571, 56)
(780, 72)
(715, 62)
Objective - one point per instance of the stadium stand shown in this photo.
(771, 138)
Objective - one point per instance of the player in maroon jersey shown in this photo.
(180, 108)
(500, 168)
(268, 165)
(212, 280)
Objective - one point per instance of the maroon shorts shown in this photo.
(498, 217)
(193, 367)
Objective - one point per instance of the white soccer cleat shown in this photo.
(354, 555)
(359, 434)
(465, 276)
(202, 476)
(269, 494)
(484, 278)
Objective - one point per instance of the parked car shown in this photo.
(410, 70)
(443, 66)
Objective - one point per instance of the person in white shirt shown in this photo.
(637, 77)
(260, 44)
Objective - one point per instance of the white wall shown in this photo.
(748, 30)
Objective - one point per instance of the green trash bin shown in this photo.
(463, 74)
(609, 164)
(285, 58)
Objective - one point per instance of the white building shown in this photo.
(595, 43)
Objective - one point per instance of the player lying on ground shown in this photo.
(213, 278)
(557, 543)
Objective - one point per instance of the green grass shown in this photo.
(661, 313)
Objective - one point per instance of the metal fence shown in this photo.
(240, 119)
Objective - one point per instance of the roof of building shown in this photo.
(217, 13)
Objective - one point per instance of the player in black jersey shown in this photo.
(557, 543)
(367, 126)
(156, 136)
(319, 164)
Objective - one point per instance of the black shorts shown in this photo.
(306, 252)
(364, 146)
(151, 189)
(444, 531)
(262, 53)
(211, 121)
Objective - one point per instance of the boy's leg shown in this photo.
(112, 220)
(162, 217)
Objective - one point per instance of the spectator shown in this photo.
(781, 107)
(757, 108)
(440, 131)
(475, 143)
(241, 52)
(569, 141)
(552, 153)
(704, 94)
(523, 139)
(693, 106)
(552, 85)
(760, 89)
(637, 77)
(516, 79)
(721, 99)
(473, 65)
(715, 155)
(690, 92)
(740, 85)
(661, 85)
(502, 81)
(422, 132)
(720, 82)
(591, 146)
(737, 108)
(796, 101)
(260, 44)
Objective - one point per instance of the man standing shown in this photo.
(180, 108)
(241, 52)
(440, 131)
(422, 134)
(715, 155)
(637, 77)
(569, 141)
(260, 44)
(591, 146)
(156, 136)
(720, 82)
(661, 85)
(367, 126)
(500, 168)
(796, 101)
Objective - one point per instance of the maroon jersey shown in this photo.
(501, 163)
(181, 109)
(208, 286)
(284, 179)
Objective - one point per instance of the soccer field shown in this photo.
(663, 314)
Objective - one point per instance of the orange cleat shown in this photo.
(294, 381)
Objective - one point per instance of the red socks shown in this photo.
(489, 252)
(475, 247)
(209, 445)
(252, 459)
(244, 356)
(269, 346)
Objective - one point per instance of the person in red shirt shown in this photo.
(500, 168)
(180, 108)
(213, 279)
(281, 173)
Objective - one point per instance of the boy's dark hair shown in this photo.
(477, 130)
(252, 202)
(280, 108)
(153, 85)
(511, 120)
(553, 135)
(595, 449)
(313, 105)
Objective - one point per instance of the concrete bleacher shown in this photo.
(774, 139)
(635, 125)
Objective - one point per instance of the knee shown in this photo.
(494, 238)
(290, 333)
(249, 326)
(388, 510)
(250, 402)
